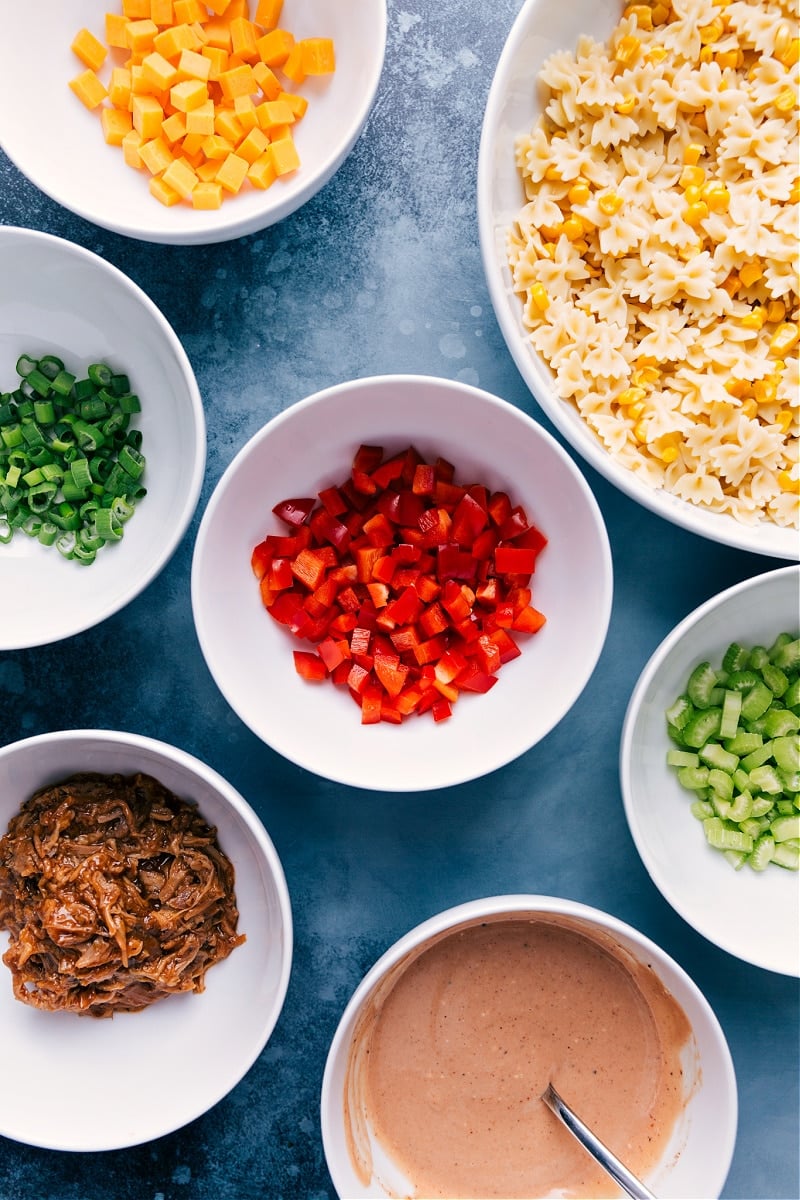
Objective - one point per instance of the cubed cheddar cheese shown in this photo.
(284, 155)
(293, 68)
(232, 172)
(161, 12)
(262, 173)
(189, 11)
(130, 149)
(147, 116)
(89, 88)
(188, 94)
(155, 155)
(207, 195)
(244, 39)
(163, 192)
(267, 80)
(136, 10)
(115, 123)
(274, 47)
(173, 127)
(119, 87)
(200, 120)
(140, 35)
(317, 56)
(268, 13)
(180, 176)
(217, 147)
(252, 146)
(116, 25)
(89, 50)
(194, 65)
(245, 110)
(170, 42)
(158, 71)
(274, 114)
(238, 81)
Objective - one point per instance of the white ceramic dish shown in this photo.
(56, 297)
(755, 916)
(58, 143)
(698, 1158)
(513, 106)
(84, 1084)
(310, 446)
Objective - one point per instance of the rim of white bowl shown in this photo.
(255, 826)
(205, 230)
(517, 902)
(726, 529)
(365, 383)
(653, 664)
(199, 450)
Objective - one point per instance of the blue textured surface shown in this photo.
(379, 273)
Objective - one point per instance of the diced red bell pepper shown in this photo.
(333, 501)
(424, 480)
(309, 567)
(528, 620)
(514, 560)
(309, 666)
(469, 519)
(499, 508)
(406, 608)
(515, 524)
(441, 709)
(371, 705)
(261, 558)
(294, 512)
(367, 458)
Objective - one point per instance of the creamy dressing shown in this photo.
(455, 1047)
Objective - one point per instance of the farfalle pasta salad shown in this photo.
(657, 253)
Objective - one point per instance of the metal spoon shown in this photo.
(599, 1152)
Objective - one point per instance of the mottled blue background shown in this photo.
(379, 273)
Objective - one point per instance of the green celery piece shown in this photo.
(765, 779)
(761, 855)
(693, 778)
(717, 756)
(702, 727)
(721, 783)
(758, 757)
(721, 837)
(787, 856)
(786, 752)
(743, 743)
(784, 828)
(756, 702)
(702, 682)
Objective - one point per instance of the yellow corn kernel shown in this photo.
(717, 197)
(579, 193)
(787, 484)
(738, 388)
(749, 407)
(643, 377)
(626, 105)
(712, 32)
(660, 14)
(784, 420)
(668, 454)
(792, 56)
(783, 39)
(692, 153)
(540, 297)
(766, 390)
(552, 174)
(627, 49)
(794, 192)
(635, 410)
(572, 229)
(640, 432)
(706, 54)
(631, 395)
(784, 339)
(693, 193)
(692, 177)
(695, 213)
(754, 319)
(610, 203)
(656, 54)
(750, 273)
(776, 311)
(785, 100)
(729, 58)
(643, 14)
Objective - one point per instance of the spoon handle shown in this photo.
(610, 1163)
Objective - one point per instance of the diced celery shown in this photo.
(776, 680)
(702, 682)
(721, 837)
(780, 721)
(756, 702)
(786, 752)
(785, 808)
(765, 779)
(721, 783)
(731, 709)
(741, 808)
(754, 826)
(762, 805)
(693, 778)
(680, 713)
(735, 658)
(701, 809)
(787, 656)
(742, 681)
(717, 756)
(741, 779)
(737, 858)
(758, 757)
(761, 855)
(757, 657)
(703, 726)
(784, 828)
(787, 856)
(790, 781)
(682, 758)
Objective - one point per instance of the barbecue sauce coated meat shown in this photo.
(115, 893)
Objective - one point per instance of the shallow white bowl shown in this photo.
(57, 297)
(63, 1074)
(59, 145)
(513, 106)
(755, 916)
(698, 1157)
(310, 446)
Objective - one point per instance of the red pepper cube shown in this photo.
(333, 501)
(499, 508)
(424, 479)
(379, 594)
(333, 653)
(428, 588)
(280, 574)
(484, 544)
(360, 639)
(358, 678)
(447, 494)
(364, 483)
(504, 615)
(390, 713)
(391, 673)
(454, 563)
(405, 639)
(515, 524)
(287, 609)
(406, 577)
(430, 650)
(408, 700)
(348, 600)
(528, 620)
(435, 525)
(261, 558)
(487, 594)
(266, 591)
(454, 601)
(481, 494)
(441, 709)
(505, 644)
(309, 666)
(519, 597)
(340, 674)
(488, 655)
(384, 569)
(444, 470)
(388, 471)
(449, 666)
(532, 539)
(343, 622)
(365, 558)
(433, 620)
(405, 609)
(469, 519)
(473, 679)
(514, 560)
(283, 547)
(294, 512)
(327, 528)
(379, 531)
(367, 458)
(309, 568)
(404, 554)
(468, 630)
(371, 705)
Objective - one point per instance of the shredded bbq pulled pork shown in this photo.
(115, 894)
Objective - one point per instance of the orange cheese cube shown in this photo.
(228, 125)
(170, 42)
(268, 13)
(180, 176)
(238, 81)
(200, 120)
(297, 103)
(147, 116)
(217, 6)
(188, 94)
(89, 88)
(116, 26)
(243, 39)
(218, 34)
(293, 67)
(284, 155)
(217, 147)
(237, 8)
(136, 10)
(158, 71)
(130, 149)
(173, 127)
(317, 56)
(140, 35)
(161, 12)
(267, 80)
(115, 123)
(119, 87)
(232, 172)
(207, 169)
(188, 11)
(192, 65)
(218, 58)
(245, 110)
(89, 50)
(192, 146)
(163, 192)
(274, 114)
(274, 47)
(207, 195)
(155, 155)
(252, 146)
(262, 173)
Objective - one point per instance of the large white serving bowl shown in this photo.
(86, 1084)
(755, 916)
(310, 446)
(513, 106)
(698, 1157)
(56, 297)
(58, 143)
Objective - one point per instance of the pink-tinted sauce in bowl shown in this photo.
(454, 1046)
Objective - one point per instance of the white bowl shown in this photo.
(755, 916)
(57, 297)
(58, 143)
(513, 106)
(311, 445)
(688, 1167)
(63, 1074)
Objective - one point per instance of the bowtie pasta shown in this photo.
(656, 256)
